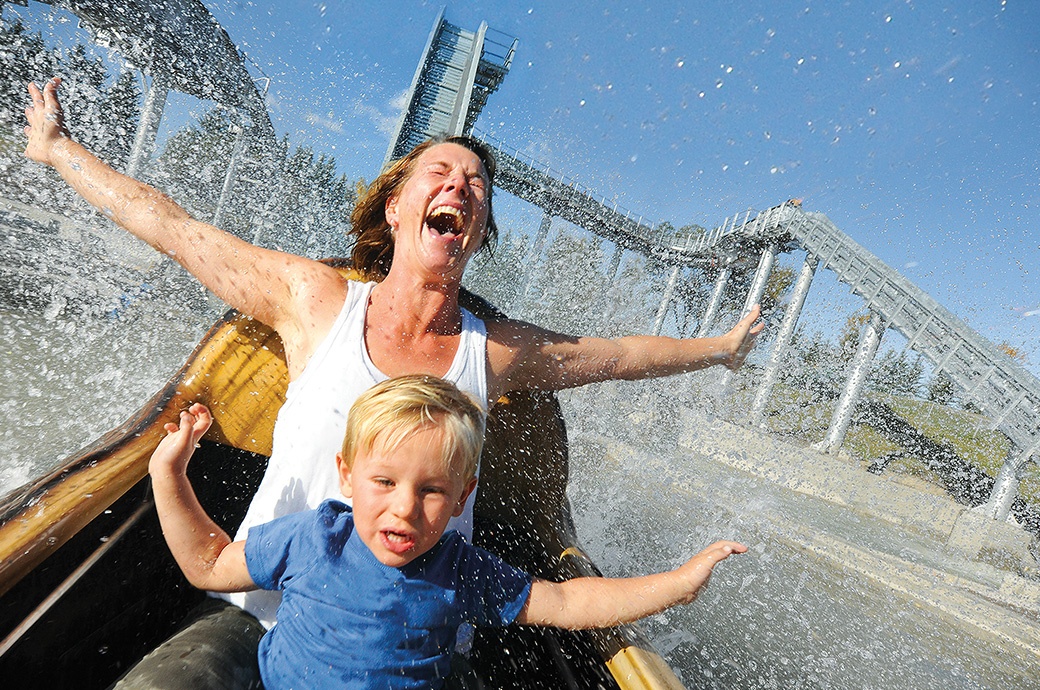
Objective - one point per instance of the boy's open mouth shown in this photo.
(397, 542)
(445, 220)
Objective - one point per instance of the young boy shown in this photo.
(373, 595)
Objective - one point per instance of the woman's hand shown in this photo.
(741, 338)
(46, 126)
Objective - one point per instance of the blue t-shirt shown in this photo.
(348, 621)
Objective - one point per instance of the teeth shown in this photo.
(445, 216)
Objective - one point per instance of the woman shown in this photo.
(417, 228)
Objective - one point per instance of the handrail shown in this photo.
(62, 589)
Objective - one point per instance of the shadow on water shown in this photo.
(963, 481)
(783, 615)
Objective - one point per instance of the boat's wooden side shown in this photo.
(238, 369)
(87, 531)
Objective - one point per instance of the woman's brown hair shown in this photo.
(374, 245)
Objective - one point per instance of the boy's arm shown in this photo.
(204, 552)
(596, 602)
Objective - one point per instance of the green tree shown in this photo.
(570, 294)
(777, 287)
(120, 116)
(851, 333)
(84, 95)
(813, 363)
(23, 57)
(692, 230)
(941, 389)
(192, 165)
(501, 277)
(282, 196)
(897, 373)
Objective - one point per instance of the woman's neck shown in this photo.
(416, 305)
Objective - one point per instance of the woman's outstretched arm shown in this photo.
(524, 356)
(262, 283)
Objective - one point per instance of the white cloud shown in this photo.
(324, 122)
(385, 119)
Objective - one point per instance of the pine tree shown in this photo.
(83, 79)
(941, 389)
(120, 117)
(23, 58)
(898, 374)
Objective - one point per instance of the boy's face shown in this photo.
(403, 498)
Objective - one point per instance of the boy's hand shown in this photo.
(46, 121)
(698, 569)
(173, 452)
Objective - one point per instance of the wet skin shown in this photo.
(404, 497)
(440, 216)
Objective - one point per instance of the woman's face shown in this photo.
(440, 215)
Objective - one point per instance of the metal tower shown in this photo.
(459, 69)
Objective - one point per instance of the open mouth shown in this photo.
(445, 220)
(397, 542)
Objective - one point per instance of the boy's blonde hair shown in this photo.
(389, 412)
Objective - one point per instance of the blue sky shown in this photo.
(912, 125)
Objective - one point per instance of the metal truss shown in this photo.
(459, 69)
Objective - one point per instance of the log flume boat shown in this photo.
(87, 585)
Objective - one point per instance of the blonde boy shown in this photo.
(373, 595)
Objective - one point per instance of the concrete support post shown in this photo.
(716, 298)
(666, 299)
(783, 338)
(532, 255)
(147, 129)
(539, 238)
(754, 296)
(868, 345)
(761, 279)
(615, 262)
(237, 154)
(1005, 489)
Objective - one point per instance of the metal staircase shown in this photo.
(459, 69)
(576, 204)
(1003, 389)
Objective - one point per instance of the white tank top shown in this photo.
(308, 432)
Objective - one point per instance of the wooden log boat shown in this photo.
(87, 585)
